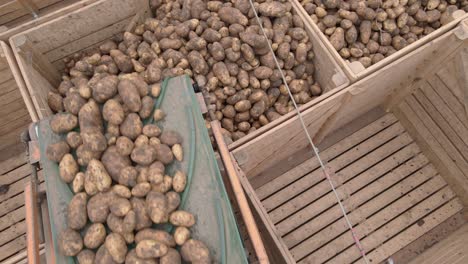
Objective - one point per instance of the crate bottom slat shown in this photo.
(392, 194)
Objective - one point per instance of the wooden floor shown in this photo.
(392, 193)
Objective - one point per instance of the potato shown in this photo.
(155, 89)
(156, 172)
(89, 117)
(105, 88)
(157, 207)
(171, 257)
(76, 213)
(151, 130)
(195, 251)
(103, 256)
(182, 218)
(122, 191)
(73, 102)
(56, 151)
(63, 122)
(86, 256)
(130, 95)
(113, 112)
(232, 15)
(141, 213)
(116, 246)
(98, 208)
(150, 249)
(156, 235)
(94, 236)
(163, 153)
(144, 155)
(337, 39)
(178, 152)
(131, 126)
(124, 146)
(170, 138)
(68, 168)
(158, 115)
(181, 235)
(179, 181)
(123, 62)
(97, 174)
(272, 9)
(132, 258)
(128, 176)
(114, 162)
(55, 101)
(94, 140)
(74, 139)
(141, 189)
(70, 242)
(120, 206)
(78, 182)
(173, 201)
(196, 60)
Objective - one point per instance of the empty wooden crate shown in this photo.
(355, 70)
(396, 147)
(40, 51)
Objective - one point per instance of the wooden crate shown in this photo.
(396, 146)
(40, 50)
(355, 70)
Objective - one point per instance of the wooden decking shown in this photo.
(392, 193)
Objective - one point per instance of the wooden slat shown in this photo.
(304, 201)
(454, 246)
(327, 154)
(8, 86)
(450, 117)
(438, 134)
(368, 205)
(449, 98)
(337, 163)
(398, 224)
(17, 188)
(417, 230)
(13, 247)
(434, 150)
(12, 218)
(12, 163)
(12, 232)
(16, 174)
(445, 119)
(446, 75)
(9, 97)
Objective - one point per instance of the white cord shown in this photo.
(316, 151)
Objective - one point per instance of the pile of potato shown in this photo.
(115, 164)
(370, 30)
(220, 45)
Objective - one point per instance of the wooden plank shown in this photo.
(460, 128)
(9, 97)
(17, 188)
(438, 134)
(368, 205)
(11, 248)
(337, 163)
(12, 137)
(7, 86)
(16, 201)
(449, 98)
(446, 75)
(327, 154)
(416, 230)
(299, 209)
(398, 224)
(9, 7)
(11, 218)
(433, 150)
(85, 42)
(12, 232)
(445, 119)
(15, 175)
(12, 163)
(456, 244)
(21, 121)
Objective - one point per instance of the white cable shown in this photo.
(316, 151)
